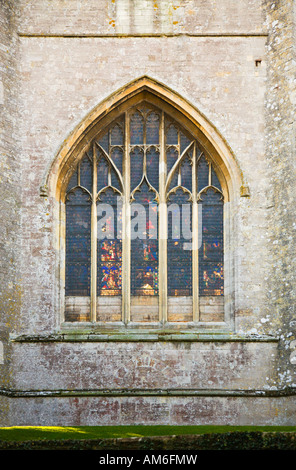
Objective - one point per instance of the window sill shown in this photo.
(90, 333)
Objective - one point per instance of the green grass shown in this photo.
(27, 433)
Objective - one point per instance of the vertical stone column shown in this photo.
(281, 155)
(10, 290)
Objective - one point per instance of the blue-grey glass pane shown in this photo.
(202, 174)
(211, 278)
(172, 135)
(136, 163)
(179, 244)
(102, 172)
(104, 142)
(78, 249)
(117, 157)
(152, 161)
(184, 142)
(86, 174)
(117, 135)
(144, 244)
(136, 129)
(152, 128)
(144, 195)
(115, 181)
(172, 156)
(215, 180)
(73, 181)
(109, 248)
(186, 174)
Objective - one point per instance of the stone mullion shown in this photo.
(93, 290)
(195, 231)
(210, 174)
(126, 227)
(162, 229)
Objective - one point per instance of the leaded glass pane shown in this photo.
(117, 137)
(186, 173)
(152, 166)
(171, 135)
(103, 141)
(137, 159)
(102, 172)
(179, 245)
(109, 248)
(184, 142)
(144, 256)
(215, 180)
(211, 278)
(152, 128)
(179, 258)
(86, 174)
(117, 157)
(78, 225)
(73, 181)
(178, 176)
(144, 244)
(137, 129)
(172, 156)
(202, 173)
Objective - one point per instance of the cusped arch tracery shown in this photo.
(147, 89)
(144, 145)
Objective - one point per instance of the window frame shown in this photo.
(191, 128)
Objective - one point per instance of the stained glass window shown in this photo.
(211, 275)
(144, 245)
(109, 249)
(211, 252)
(144, 224)
(78, 244)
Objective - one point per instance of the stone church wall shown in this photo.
(235, 62)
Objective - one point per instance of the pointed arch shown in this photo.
(219, 161)
(150, 90)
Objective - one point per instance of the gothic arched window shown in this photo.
(144, 225)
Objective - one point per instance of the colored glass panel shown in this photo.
(171, 134)
(152, 165)
(144, 244)
(179, 245)
(137, 129)
(184, 142)
(202, 173)
(104, 142)
(102, 172)
(117, 135)
(215, 180)
(73, 181)
(186, 173)
(211, 277)
(86, 174)
(109, 245)
(172, 156)
(144, 154)
(117, 157)
(152, 128)
(78, 244)
(137, 159)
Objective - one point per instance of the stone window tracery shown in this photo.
(144, 225)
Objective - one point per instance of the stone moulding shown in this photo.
(272, 392)
(205, 131)
(213, 34)
(138, 337)
(210, 141)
